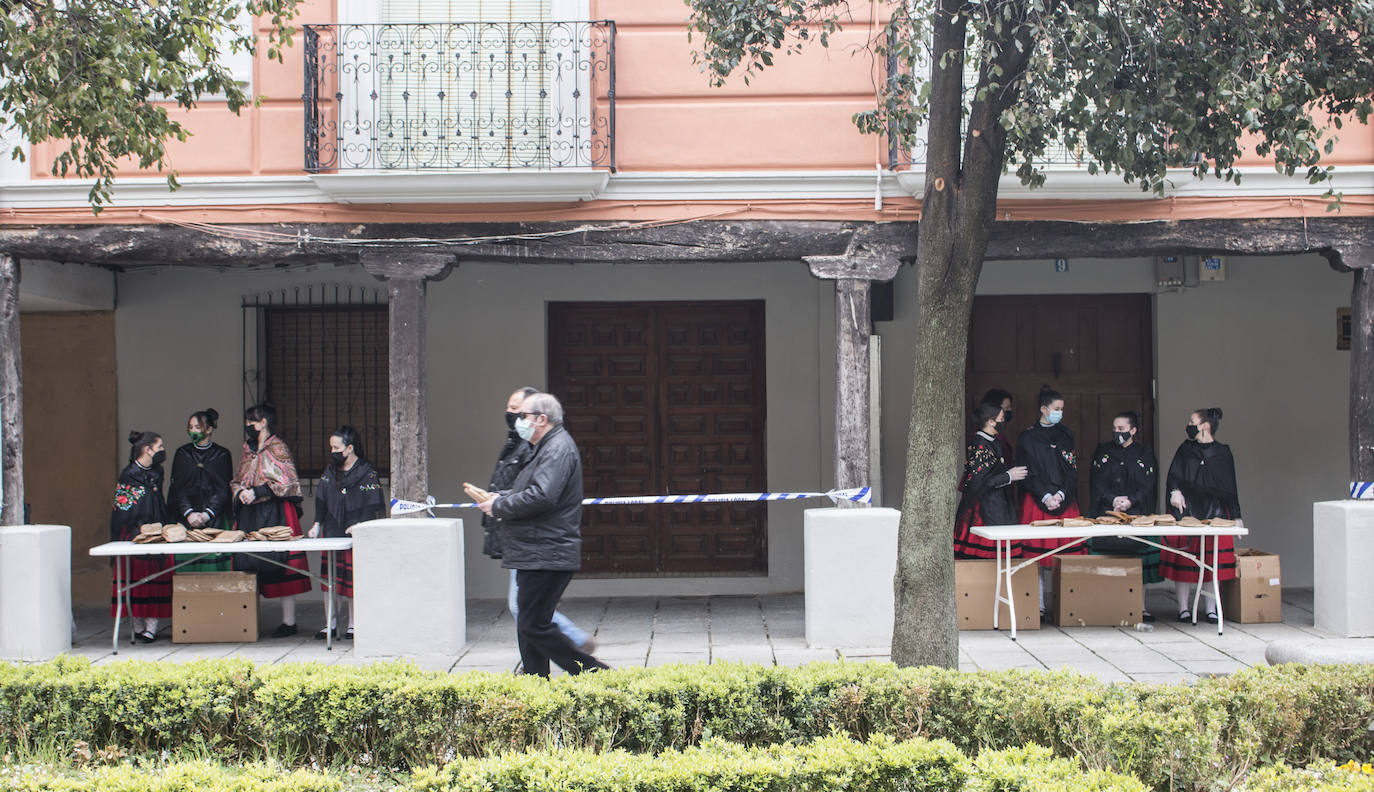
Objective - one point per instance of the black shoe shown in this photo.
(348, 634)
(1212, 617)
(284, 631)
(322, 634)
(145, 637)
(1185, 615)
(1146, 616)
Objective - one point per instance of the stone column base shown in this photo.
(35, 591)
(850, 562)
(409, 595)
(1343, 581)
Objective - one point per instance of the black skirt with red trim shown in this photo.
(1182, 570)
(279, 582)
(152, 600)
(343, 571)
(1031, 510)
(968, 544)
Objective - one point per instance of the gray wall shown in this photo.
(179, 335)
(1260, 345)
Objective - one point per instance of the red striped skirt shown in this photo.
(967, 544)
(1181, 570)
(1031, 509)
(287, 583)
(152, 600)
(343, 571)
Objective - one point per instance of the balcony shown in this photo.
(480, 111)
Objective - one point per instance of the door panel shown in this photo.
(665, 398)
(1094, 349)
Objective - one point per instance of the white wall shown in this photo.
(488, 336)
(54, 286)
(179, 335)
(1260, 345)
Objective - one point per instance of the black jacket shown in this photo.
(541, 513)
(514, 454)
(344, 498)
(1206, 475)
(200, 482)
(1047, 452)
(986, 482)
(1123, 470)
(137, 501)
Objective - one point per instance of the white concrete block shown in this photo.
(35, 591)
(1343, 588)
(408, 588)
(850, 561)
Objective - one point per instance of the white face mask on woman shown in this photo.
(1056, 416)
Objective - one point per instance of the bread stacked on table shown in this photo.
(1135, 521)
(173, 533)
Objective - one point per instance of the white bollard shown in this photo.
(850, 561)
(1343, 589)
(35, 591)
(409, 595)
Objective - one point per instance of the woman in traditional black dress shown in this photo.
(1125, 478)
(138, 501)
(349, 492)
(199, 494)
(1050, 491)
(1201, 484)
(986, 486)
(267, 492)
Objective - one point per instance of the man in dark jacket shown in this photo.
(541, 536)
(514, 454)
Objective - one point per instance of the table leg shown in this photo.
(1011, 600)
(1216, 582)
(329, 605)
(129, 596)
(118, 601)
(997, 588)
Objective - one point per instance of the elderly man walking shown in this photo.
(541, 536)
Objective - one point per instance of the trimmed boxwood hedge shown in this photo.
(396, 716)
(830, 764)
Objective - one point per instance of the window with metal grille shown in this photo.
(323, 364)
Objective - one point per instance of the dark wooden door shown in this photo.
(665, 398)
(1095, 349)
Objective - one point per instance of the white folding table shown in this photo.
(122, 552)
(1003, 535)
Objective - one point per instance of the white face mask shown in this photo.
(1056, 416)
(524, 427)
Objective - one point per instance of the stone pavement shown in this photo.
(649, 631)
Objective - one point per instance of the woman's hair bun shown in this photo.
(211, 414)
(134, 436)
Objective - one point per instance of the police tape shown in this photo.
(855, 495)
(1362, 490)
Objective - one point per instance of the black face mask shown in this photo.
(339, 457)
(1006, 416)
(159, 458)
(1192, 431)
(251, 436)
(1122, 438)
(510, 420)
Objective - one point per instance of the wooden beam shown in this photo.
(409, 418)
(11, 395)
(1362, 367)
(739, 241)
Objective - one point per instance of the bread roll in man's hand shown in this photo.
(477, 493)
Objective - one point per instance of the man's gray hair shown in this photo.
(545, 404)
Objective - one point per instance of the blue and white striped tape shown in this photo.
(856, 495)
(1362, 490)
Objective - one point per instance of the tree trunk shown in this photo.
(1362, 373)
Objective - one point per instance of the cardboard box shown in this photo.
(215, 607)
(1256, 593)
(974, 589)
(1097, 591)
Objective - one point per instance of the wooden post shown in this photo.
(853, 273)
(11, 395)
(407, 274)
(852, 397)
(1362, 368)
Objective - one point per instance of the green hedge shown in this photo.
(830, 764)
(396, 716)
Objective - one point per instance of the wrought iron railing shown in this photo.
(460, 96)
